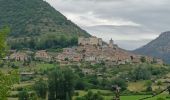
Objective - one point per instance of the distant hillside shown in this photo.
(34, 20)
(159, 47)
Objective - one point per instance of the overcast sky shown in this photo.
(131, 23)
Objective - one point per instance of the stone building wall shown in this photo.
(83, 41)
(90, 41)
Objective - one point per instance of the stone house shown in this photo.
(68, 50)
(87, 71)
(42, 55)
(90, 41)
(69, 54)
(60, 57)
(90, 58)
(19, 56)
(135, 59)
(149, 59)
(63, 63)
(121, 62)
(159, 61)
(77, 58)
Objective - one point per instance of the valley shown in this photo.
(45, 56)
(137, 78)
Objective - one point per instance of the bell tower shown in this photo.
(111, 43)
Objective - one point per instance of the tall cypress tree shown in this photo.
(61, 84)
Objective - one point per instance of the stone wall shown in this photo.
(90, 41)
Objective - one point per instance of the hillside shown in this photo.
(160, 47)
(35, 18)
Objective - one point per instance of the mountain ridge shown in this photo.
(33, 15)
(159, 47)
(37, 21)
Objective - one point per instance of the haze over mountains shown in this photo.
(160, 47)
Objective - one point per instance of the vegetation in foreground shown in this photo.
(134, 83)
(51, 81)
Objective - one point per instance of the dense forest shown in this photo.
(27, 18)
(47, 41)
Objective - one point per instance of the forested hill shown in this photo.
(160, 47)
(34, 20)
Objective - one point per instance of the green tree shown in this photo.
(23, 95)
(3, 44)
(105, 83)
(159, 83)
(160, 98)
(61, 84)
(91, 96)
(93, 80)
(168, 89)
(41, 88)
(121, 83)
(69, 83)
(141, 73)
(80, 84)
(6, 80)
(55, 82)
(33, 96)
(148, 85)
(143, 59)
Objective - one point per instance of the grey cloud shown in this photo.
(131, 45)
(151, 15)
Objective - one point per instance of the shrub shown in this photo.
(80, 85)
(23, 95)
(76, 94)
(41, 88)
(160, 98)
(121, 83)
(91, 96)
(141, 73)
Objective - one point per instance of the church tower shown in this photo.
(111, 43)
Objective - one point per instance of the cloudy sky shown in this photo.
(131, 23)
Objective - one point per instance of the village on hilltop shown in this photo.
(92, 50)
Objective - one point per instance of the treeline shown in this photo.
(145, 72)
(3, 45)
(44, 42)
(59, 86)
(63, 81)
